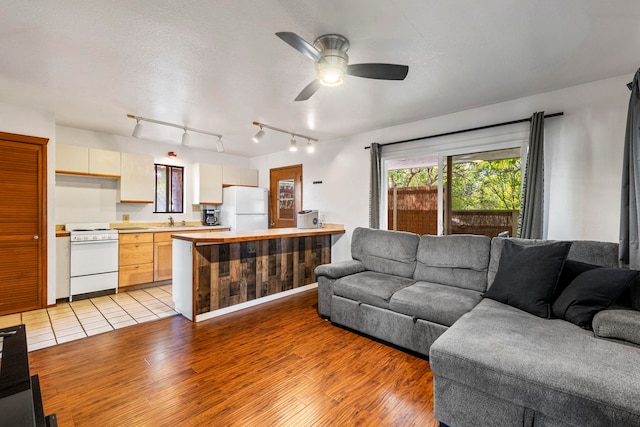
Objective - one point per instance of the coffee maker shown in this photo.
(210, 216)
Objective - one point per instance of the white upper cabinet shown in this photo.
(207, 184)
(137, 178)
(104, 162)
(74, 159)
(239, 176)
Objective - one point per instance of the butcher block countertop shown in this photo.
(244, 236)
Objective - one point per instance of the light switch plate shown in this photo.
(125, 217)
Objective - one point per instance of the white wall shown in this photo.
(31, 122)
(582, 166)
(87, 199)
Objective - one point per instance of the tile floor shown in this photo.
(80, 319)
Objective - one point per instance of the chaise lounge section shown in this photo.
(493, 364)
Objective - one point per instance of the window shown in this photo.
(169, 189)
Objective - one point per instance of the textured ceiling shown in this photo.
(218, 66)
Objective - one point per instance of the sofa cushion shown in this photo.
(370, 287)
(550, 366)
(457, 260)
(591, 292)
(603, 254)
(621, 325)
(389, 252)
(436, 303)
(527, 276)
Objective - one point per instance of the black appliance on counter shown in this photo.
(210, 216)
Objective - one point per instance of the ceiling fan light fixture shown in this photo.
(137, 129)
(332, 67)
(219, 145)
(185, 139)
(293, 146)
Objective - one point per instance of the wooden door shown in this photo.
(285, 196)
(23, 223)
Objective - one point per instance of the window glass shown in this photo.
(169, 189)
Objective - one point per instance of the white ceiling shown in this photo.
(218, 66)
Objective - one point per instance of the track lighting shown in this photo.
(137, 129)
(293, 146)
(185, 139)
(258, 136)
(185, 136)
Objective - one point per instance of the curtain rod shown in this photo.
(528, 119)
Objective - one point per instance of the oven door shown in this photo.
(94, 257)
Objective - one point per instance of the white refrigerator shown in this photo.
(245, 208)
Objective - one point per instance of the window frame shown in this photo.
(473, 142)
(169, 189)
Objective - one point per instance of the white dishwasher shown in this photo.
(93, 258)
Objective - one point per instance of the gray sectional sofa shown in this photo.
(493, 364)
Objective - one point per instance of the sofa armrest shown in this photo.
(337, 270)
(618, 324)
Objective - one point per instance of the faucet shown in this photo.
(171, 223)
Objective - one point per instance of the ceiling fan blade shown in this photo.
(308, 91)
(300, 44)
(379, 71)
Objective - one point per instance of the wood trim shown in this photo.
(272, 233)
(97, 175)
(42, 207)
(135, 201)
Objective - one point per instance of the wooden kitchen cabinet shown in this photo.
(135, 265)
(137, 178)
(207, 184)
(162, 256)
(78, 160)
(239, 176)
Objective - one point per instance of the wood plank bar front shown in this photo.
(217, 273)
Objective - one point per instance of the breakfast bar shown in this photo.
(218, 273)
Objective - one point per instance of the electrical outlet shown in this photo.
(125, 217)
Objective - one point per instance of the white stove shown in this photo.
(94, 258)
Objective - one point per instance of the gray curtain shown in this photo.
(532, 200)
(629, 251)
(374, 186)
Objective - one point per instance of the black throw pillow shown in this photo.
(527, 276)
(570, 270)
(591, 292)
(635, 294)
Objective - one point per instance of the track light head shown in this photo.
(185, 139)
(310, 147)
(219, 145)
(292, 145)
(258, 136)
(137, 130)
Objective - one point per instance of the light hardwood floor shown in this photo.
(274, 364)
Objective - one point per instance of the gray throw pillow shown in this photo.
(527, 276)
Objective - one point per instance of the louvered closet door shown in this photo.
(22, 223)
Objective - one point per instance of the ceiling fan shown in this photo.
(332, 62)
